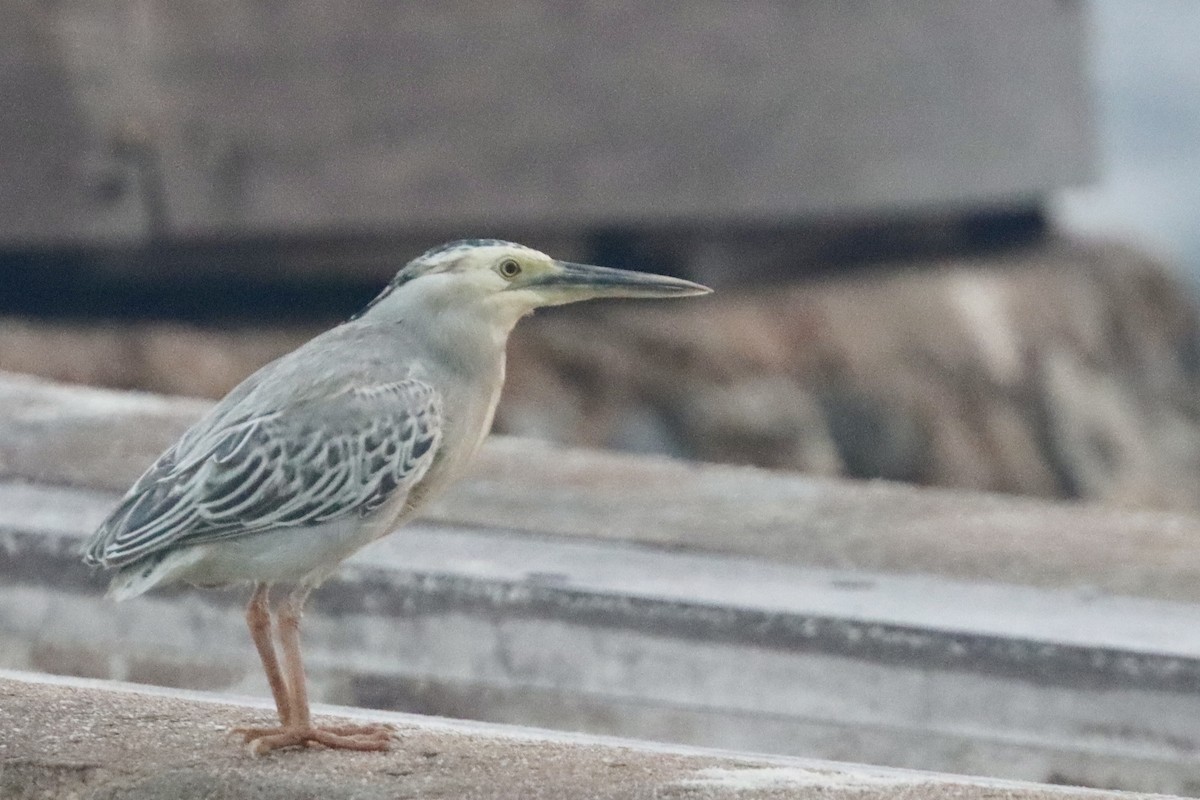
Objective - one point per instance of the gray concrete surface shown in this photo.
(93, 739)
(658, 599)
(675, 645)
(134, 121)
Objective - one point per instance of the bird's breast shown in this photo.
(469, 407)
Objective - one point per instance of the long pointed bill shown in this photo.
(571, 282)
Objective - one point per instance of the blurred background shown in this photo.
(952, 246)
(1143, 69)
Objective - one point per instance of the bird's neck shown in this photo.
(465, 331)
(470, 341)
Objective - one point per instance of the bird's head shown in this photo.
(508, 281)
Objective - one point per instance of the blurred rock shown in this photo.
(1065, 370)
(1068, 370)
(166, 358)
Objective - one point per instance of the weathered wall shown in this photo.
(133, 120)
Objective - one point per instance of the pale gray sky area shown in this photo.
(1145, 65)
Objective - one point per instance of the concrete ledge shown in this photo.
(611, 637)
(757, 611)
(92, 739)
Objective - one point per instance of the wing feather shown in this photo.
(346, 454)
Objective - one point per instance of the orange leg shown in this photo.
(290, 614)
(258, 618)
(297, 729)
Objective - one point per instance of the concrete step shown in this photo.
(640, 597)
(85, 738)
(910, 670)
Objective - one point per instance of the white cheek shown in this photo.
(511, 305)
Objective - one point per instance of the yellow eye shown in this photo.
(509, 268)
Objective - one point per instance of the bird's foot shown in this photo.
(337, 737)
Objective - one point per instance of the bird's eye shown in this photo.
(509, 268)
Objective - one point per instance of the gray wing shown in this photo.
(345, 454)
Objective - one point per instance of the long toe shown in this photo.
(383, 729)
(249, 732)
(261, 745)
(336, 737)
(380, 740)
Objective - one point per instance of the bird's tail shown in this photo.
(144, 574)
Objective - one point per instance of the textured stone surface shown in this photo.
(97, 740)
